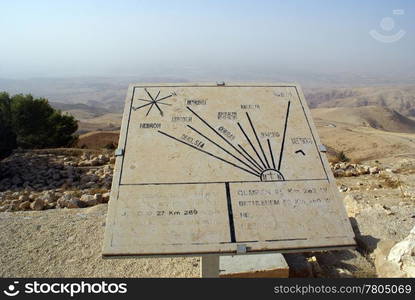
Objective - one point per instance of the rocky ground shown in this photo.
(47, 179)
(48, 227)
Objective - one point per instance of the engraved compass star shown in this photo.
(153, 101)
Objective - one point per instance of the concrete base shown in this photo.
(271, 265)
(209, 266)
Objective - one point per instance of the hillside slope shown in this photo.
(368, 116)
(398, 98)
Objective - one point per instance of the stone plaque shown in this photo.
(212, 168)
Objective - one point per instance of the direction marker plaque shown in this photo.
(215, 168)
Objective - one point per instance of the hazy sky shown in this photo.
(185, 38)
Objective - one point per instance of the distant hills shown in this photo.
(397, 98)
(98, 102)
(376, 117)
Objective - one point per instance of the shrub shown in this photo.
(341, 156)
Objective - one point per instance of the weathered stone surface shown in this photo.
(403, 255)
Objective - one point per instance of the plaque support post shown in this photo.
(209, 266)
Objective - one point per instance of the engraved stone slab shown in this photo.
(206, 168)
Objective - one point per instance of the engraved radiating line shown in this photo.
(257, 139)
(214, 130)
(149, 109)
(153, 101)
(272, 155)
(251, 158)
(157, 95)
(163, 103)
(135, 108)
(158, 107)
(283, 136)
(220, 147)
(164, 98)
(149, 94)
(252, 146)
(208, 153)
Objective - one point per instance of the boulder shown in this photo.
(98, 198)
(105, 197)
(23, 198)
(73, 203)
(69, 201)
(374, 170)
(395, 260)
(339, 173)
(103, 158)
(88, 200)
(403, 254)
(24, 205)
(95, 161)
(38, 204)
(353, 207)
(343, 188)
(48, 197)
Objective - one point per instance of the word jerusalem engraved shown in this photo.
(208, 167)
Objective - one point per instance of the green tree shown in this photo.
(7, 136)
(38, 125)
(32, 123)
